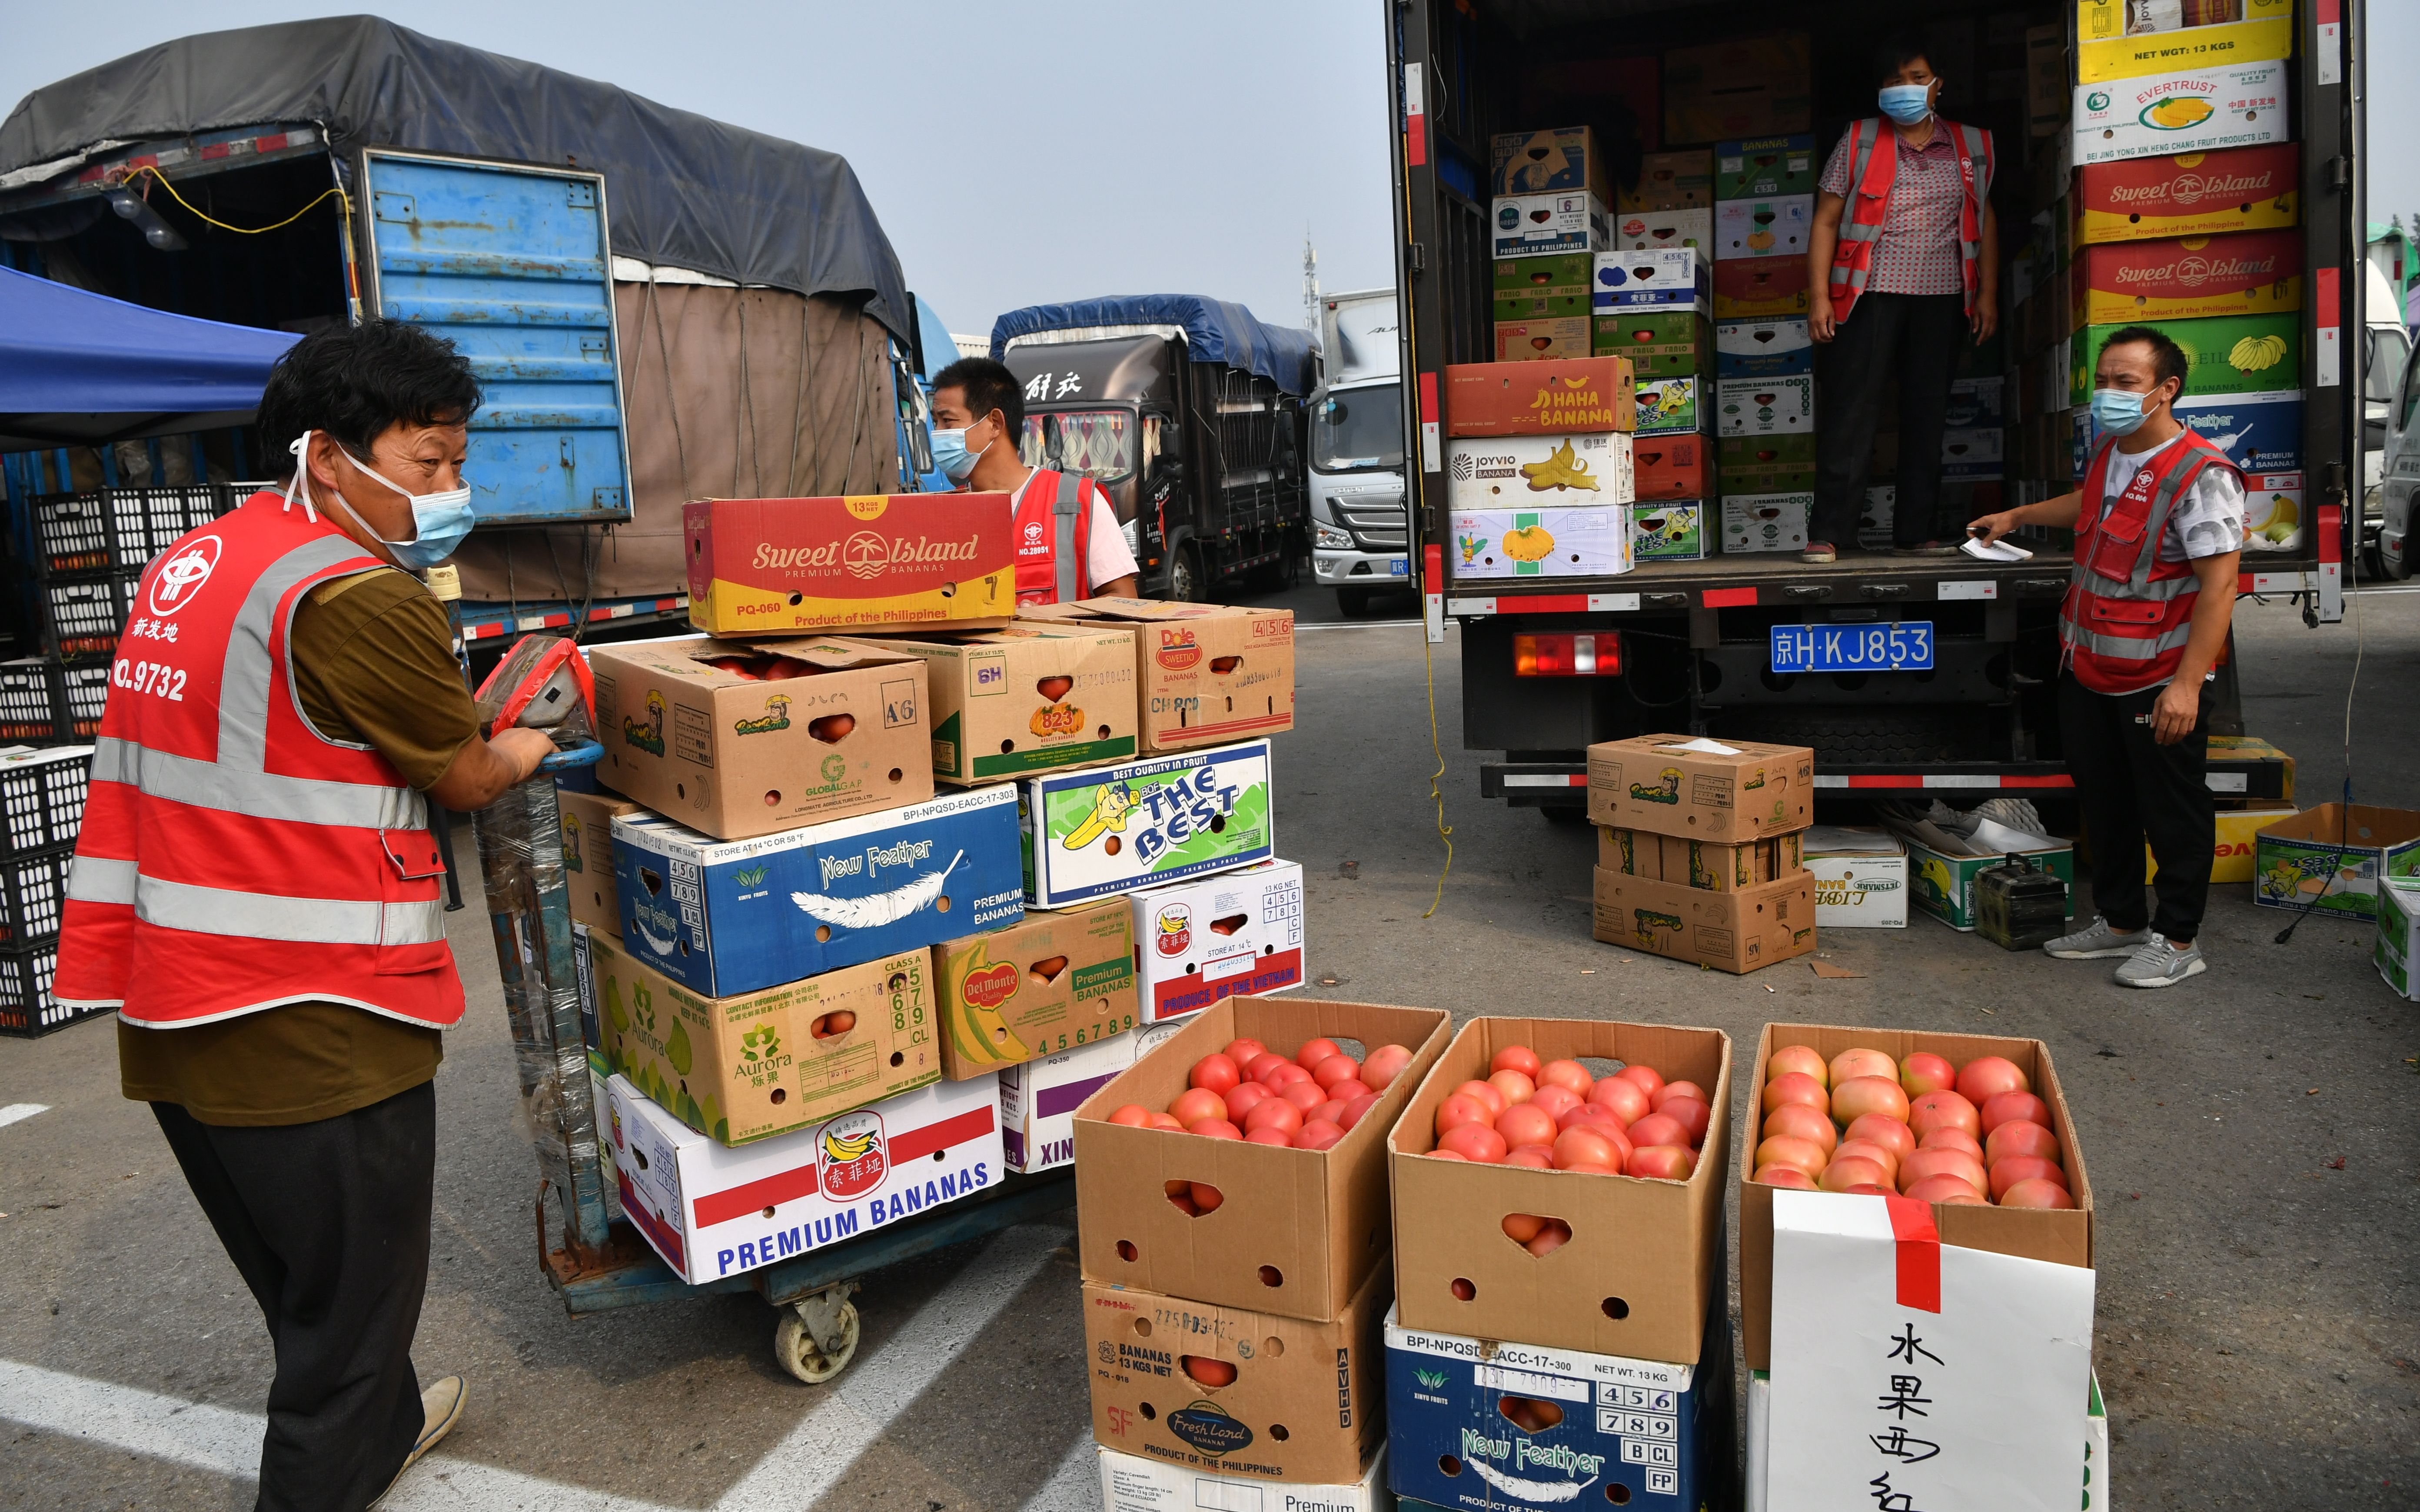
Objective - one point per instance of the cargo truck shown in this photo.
(1359, 541)
(1907, 675)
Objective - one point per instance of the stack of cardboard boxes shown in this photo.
(1550, 190)
(1765, 399)
(1698, 849)
(1541, 472)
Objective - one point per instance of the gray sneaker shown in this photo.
(2096, 940)
(2161, 963)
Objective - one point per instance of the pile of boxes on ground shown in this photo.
(1350, 1326)
(828, 995)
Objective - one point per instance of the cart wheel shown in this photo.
(799, 1354)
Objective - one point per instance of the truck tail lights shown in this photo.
(1564, 655)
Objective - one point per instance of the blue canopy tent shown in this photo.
(80, 369)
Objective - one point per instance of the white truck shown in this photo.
(1359, 530)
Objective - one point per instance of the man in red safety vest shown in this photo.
(1903, 267)
(1069, 545)
(255, 888)
(2159, 537)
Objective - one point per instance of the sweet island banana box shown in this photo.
(865, 562)
(1024, 699)
(1513, 544)
(2238, 105)
(712, 1210)
(2224, 354)
(1112, 829)
(1055, 980)
(2191, 278)
(1038, 1099)
(728, 917)
(1580, 468)
(758, 1064)
(2187, 195)
(1234, 933)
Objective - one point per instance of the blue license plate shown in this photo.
(1904, 647)
(1399, 566)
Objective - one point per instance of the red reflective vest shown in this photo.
(1054, 537)
(232, 858)
(1871, 174)
(2128, 614)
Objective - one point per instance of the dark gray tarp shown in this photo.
(1214, 330)
(681, 191)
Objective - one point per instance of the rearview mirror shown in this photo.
(1171, 438)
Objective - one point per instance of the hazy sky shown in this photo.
(1018, 151)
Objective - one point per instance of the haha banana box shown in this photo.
(1237, 932)
(1112, 829)
(728, 917)
(1057, 980)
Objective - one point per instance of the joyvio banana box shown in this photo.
(1112, 829)
(728, 917)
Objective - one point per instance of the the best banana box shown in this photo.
(1234, 934)
(1114, 829)
(1055, 980)
(1674, 530)
(1024, 699)
(772, 567)
(1204, 674)
(712, 1210)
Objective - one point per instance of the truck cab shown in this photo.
(1359, 526)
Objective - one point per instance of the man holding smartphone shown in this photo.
(2149, 601)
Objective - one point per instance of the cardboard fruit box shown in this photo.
(1657, 230)
(1675, 466)
(2231, 105)
(1759, 289)
(1038, 1099)
(1594, 394)
(1741, 930)
(1054, 980)
(1560, 339)
(1538, 226)
(1131, 1483)
(877, 560)
(1644, 1256)
(1542, 472)
(1672, 181)
(2333, 857)
(2108, 48)
(1299, 1230)
(1112, 829)
(1708, 866)
(588, 855)
(2225, 354)
(847, 731)
(2063, 1236)
(1764, 168)
(1025, 699)
(1236, 933)
(2187, 195)
(1674, 531)
(1554, 160)
(2191, 278)
(1700, 788)
(1657, 343)
(1204, 674)
(1559, 276)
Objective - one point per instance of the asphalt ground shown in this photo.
(2251, 1138)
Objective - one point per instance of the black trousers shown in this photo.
(1918, 337)
(2132, 787)
(328, 1223)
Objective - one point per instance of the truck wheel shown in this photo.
(1185, 583)
(1353, 602)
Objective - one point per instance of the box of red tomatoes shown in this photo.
(1188, 1186)
(1568, 1209)
(1973, 1124)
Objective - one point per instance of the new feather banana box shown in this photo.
(1237, 934)
(1112, 829)
(728, 917)
(759, 1064)
(1057, 979)
(712, 1211)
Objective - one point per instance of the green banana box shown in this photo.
(1056, 980)
(763, 1063)
(1109, 830)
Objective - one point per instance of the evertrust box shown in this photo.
(939, 560)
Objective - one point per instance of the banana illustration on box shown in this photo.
(979, 1031)
(1561, 469)
(1471, 546)
(1544, 1493)
(1935, 877)
(1529, 543)
(2255, 354)
(1110, 810)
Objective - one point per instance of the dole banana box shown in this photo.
(1671, 531)
(1668, 278)
(2187, 195)
(1775, 227)
(860, 562)
(2224, 354)
(1555, 160)
(739, 738)
(1764, 168)
(2115, 40)
(1701, 789)
(760, 1064)
(1025, 699)
(2249, 274)
(1674, 466)
(2242, 104)
(1664, 230)
(1657, 343)
(1765, 407)
(1557, 340)
(1594, 393)
(712, 1210)
(1204, 674)
(1758, 288)
(1672, 181)
(1763, 348)
(1112, 829)
(588, 855)
(1670, 404)
(1038, 1099)
(723, 918)
(1234, 933)
(1511, 544)
(1538, 226)
(1596, 468)
(1057, 979)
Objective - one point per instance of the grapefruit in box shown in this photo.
(864, 561)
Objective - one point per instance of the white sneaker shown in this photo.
(2161, 963)
(2097, 939)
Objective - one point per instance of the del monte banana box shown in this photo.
(1112, 829)
(712, 1210)
(1025, 699)
(763, 1063)
(2249, 273)
(865, 562)
(2187, 195)
(2224, 354)
(1055, 980)
(728, 917)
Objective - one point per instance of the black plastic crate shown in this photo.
(27, 1006)
(41, 800)
(83, 691)
(82, 616)
(30, 710)
(168, 513)
(33, 893)
(72, 533)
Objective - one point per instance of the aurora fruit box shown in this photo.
(940, 560)
(711, 1211)
(1236, 933)
(1111, 829)
(728, 917)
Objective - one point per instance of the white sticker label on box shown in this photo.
(1531, 1384)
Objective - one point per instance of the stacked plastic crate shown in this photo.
(41, 806)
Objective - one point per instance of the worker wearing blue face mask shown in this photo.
(1069, 543)
(1902, 270)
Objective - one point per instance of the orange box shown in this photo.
(869, 562)
(1675, 465)
(1542, 398)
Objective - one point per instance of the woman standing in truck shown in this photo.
(1903, 265)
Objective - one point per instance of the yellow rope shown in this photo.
(249, 231)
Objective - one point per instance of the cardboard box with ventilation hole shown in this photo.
(1131, 1483)
(1644, 1258)
(1056, 980)
(1204, 674)
(1026, 698)
(1298, 1231)
(588, 855)
(746, 752)
(1701, 789)
(925, 561)
(1235, 934)
(1111, 829)
(1203, 1385)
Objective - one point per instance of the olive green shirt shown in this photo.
(373, 665)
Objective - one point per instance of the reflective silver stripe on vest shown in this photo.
(97, 879)
(2140, 586)
(259, 794)
(1066, 513)
(262, 915)
(2128, 648)
(244, 677)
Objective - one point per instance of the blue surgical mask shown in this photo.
(1906, 103)
(950, 455)
(439, 520)
(2117, 411)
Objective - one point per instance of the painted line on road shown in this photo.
(1076, 1485)
(19, 1112)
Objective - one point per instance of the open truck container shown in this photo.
(1694, 641)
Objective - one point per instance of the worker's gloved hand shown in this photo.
(523, 749)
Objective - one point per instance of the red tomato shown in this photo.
(1646, 1078)
(1207, 1198)
(1552, 1237)
(1536, 1157)
(1357, 1109)
(1666, 1093)
(1332, 1111)
(1940, 1189)
(1516, 1086)
(1210, 1373)
(1215, 1072)
(1183, 1201)
(1244, 1052)
(1485, 1093)
(1277, 1113)
(736, 666)
(1622, 1098)
(1336, 1069)
(1518, 1058)
(1851, 1064)
(1215, 1129)
(1924, 1071)
(1162, 1120)
(1570, 1075)
(1385, 1064)
(1242, 1098)
(1316, 1052)
(2018, 1137)
(1980, 1081)
(1797, 1086)
(1868, 1150)
(1943, 1110)
(1526, 1123)
(1803, 1059)
(1307, 1095)
(1868, 1189)
(1595, 1115)
(1857, 1096)
(1285, 1077)
(1656, 1129)
(1800, 1121)
(1955, 1162)
(1133, 1116)
(2010, 1169)
(1345, 1092)
(1270, 1135)
(2037, 1194)
(1844, 1174)
(1192, 1106)
(1789, 1176)
(1521, 1228)
(1457, 1110)
(1582, 1145)
(1260, 1066)
(2007, 1106)
(1556, 1099)
(1442, 1155)
(1674, 1163)
(1692, 1115)
(1945, 1137)
(1476, 1142)
(1802, 1155)
(1884, 1131)
(1319, 1133)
